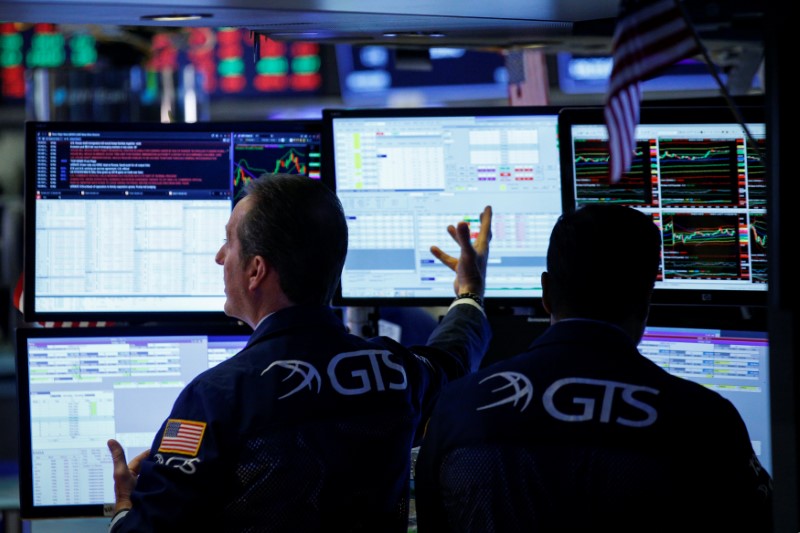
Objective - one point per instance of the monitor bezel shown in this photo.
(30, 312)
(714, 113)
(492, 303)
(26, 482)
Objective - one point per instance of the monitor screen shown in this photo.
(734, 363)
(78, 387)
(701, 176)
(123, 221)
(404, 175)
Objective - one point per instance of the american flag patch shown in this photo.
(182, 436)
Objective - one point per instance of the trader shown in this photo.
(308, 428)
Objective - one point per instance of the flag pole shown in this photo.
(713, 71)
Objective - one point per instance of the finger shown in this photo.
(464, 237)
(121, 471)
(486, 221)
(444, 257)
(452, 231)
(117, 452)
(485, 234)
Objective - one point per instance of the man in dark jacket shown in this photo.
(582, 432)
(308, 428)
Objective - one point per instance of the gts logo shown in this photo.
(594, 399)
(373, 370)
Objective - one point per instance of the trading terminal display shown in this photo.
(404, 175)
(701, 177)
(125, 220)
(78, 387)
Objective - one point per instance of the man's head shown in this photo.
(602, 263)
(296, 227)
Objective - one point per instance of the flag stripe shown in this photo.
(643, 48)
(622, 115)
(630, 67)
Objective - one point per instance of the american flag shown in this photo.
(650, 35)
(182, 436)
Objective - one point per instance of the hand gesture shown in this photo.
(470, 267)
(125, 474)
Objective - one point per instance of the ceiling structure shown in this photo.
(578, 26)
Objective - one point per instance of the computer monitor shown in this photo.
(701, 175)
(403, 175)
(123, 221)
(733, 362)
(78, 387)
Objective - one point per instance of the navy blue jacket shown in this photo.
(583, 433)
(308, 428)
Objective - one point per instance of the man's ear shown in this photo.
(257, 270)
(546, 292)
